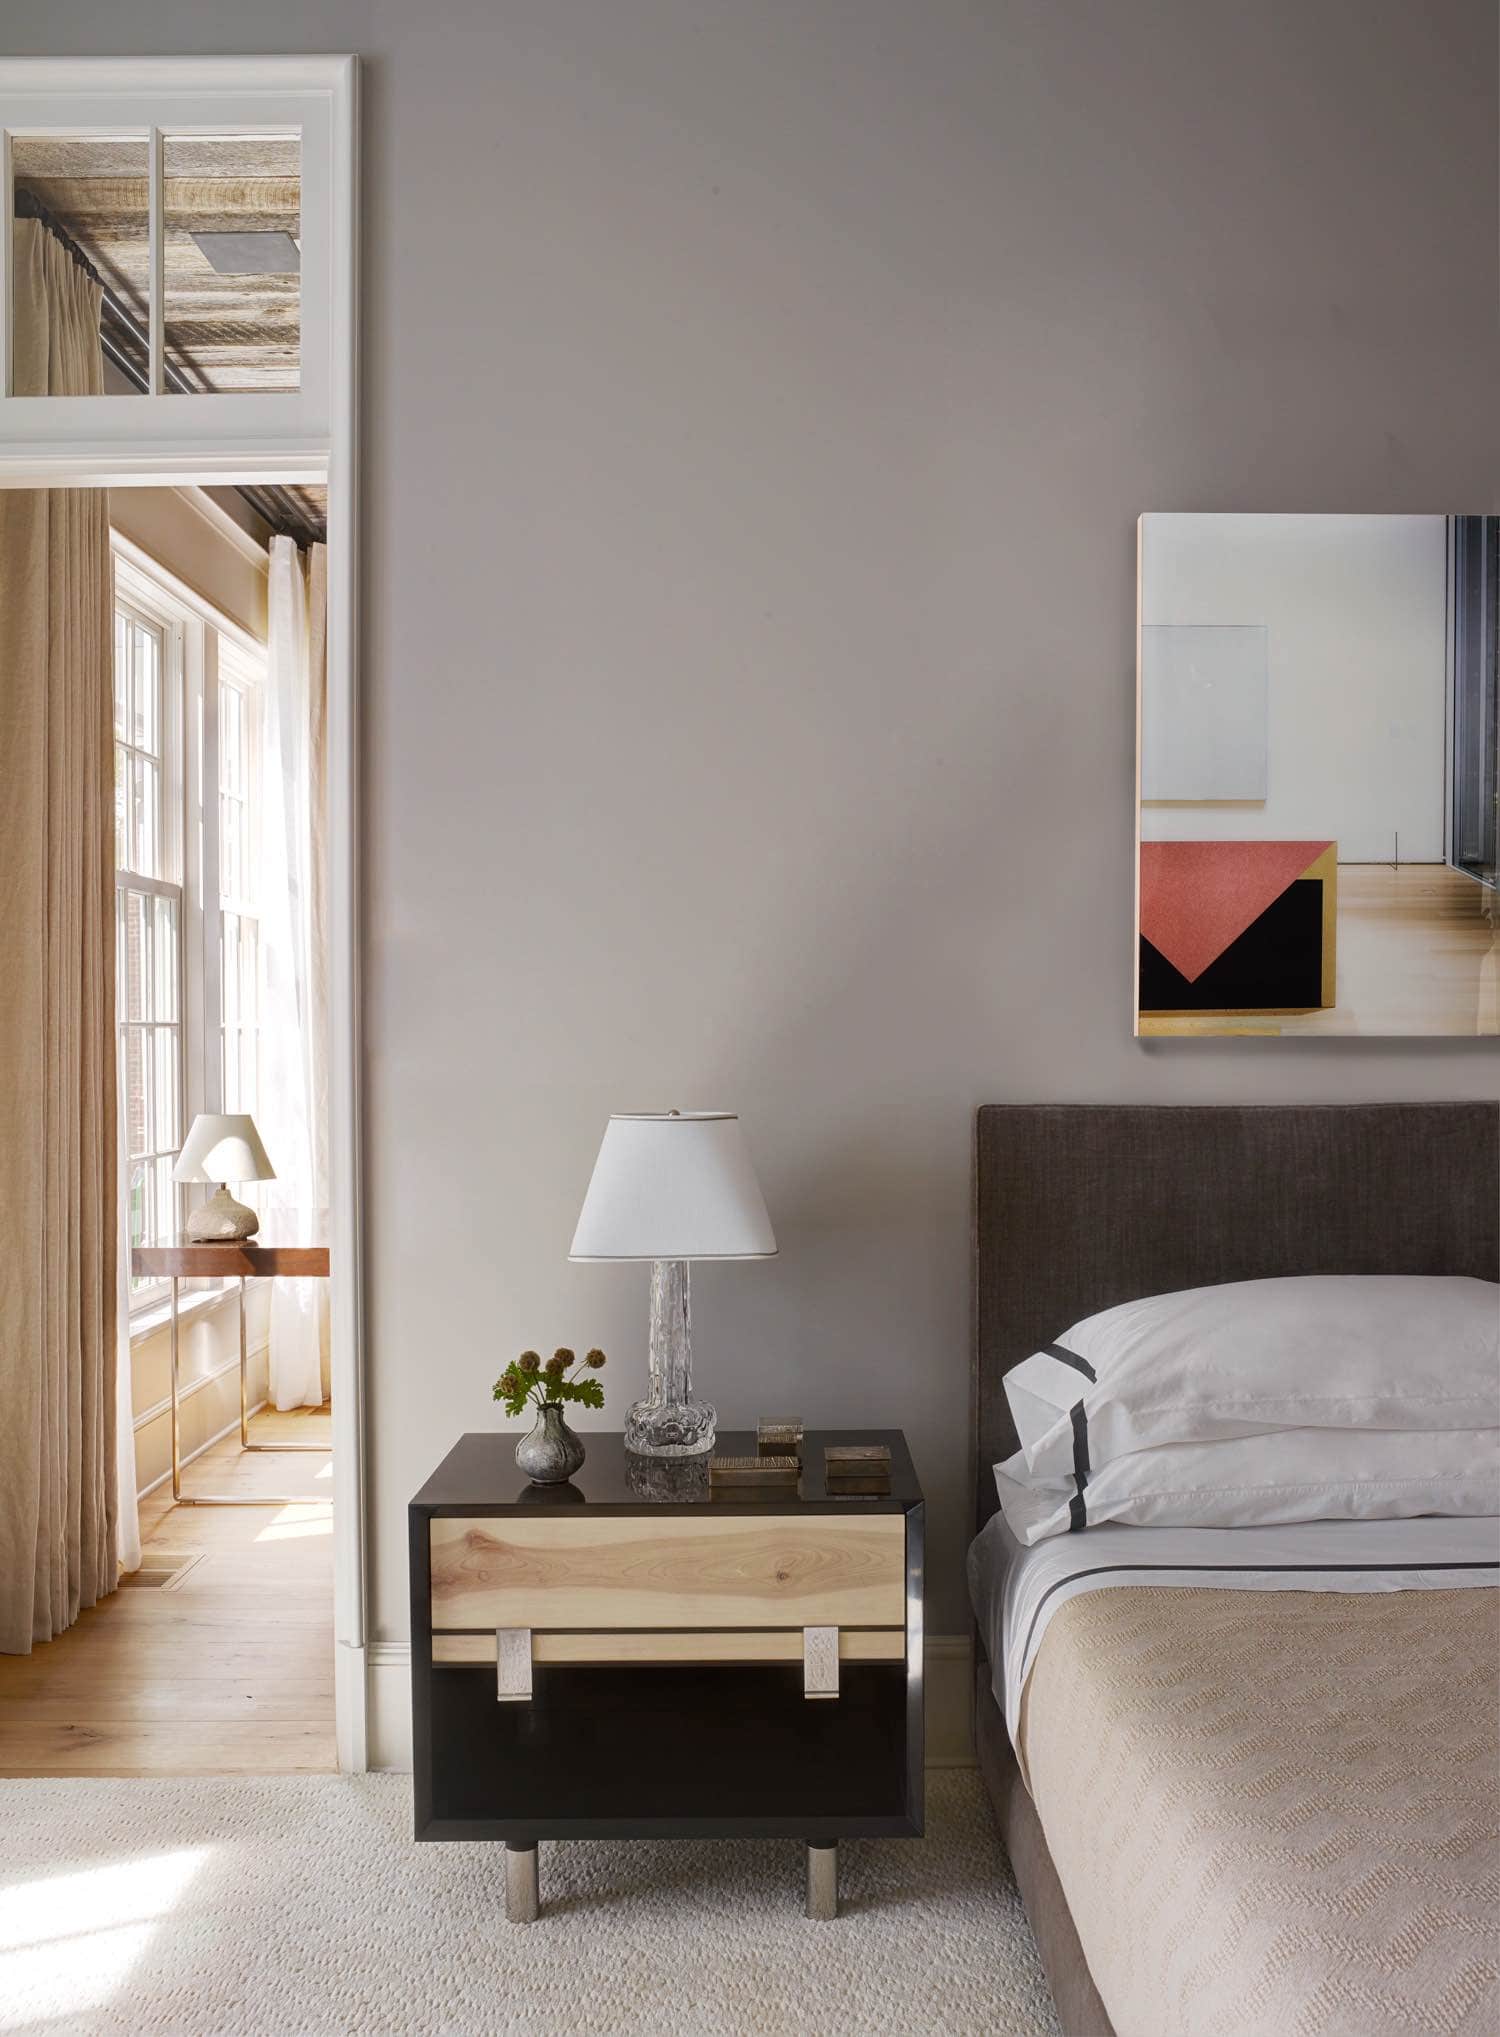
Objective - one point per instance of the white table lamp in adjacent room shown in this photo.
(222, 1149)
(671, 1187)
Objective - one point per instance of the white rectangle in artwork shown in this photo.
(1203, 711)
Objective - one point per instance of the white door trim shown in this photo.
(152, 452)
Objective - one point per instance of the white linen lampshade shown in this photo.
(222, 1147)
(673, 1185)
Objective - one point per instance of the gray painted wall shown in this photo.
(759, 398)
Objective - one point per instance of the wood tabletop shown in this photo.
(244, 1255)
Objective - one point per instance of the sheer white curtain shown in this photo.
(292, 1107)
(128, 1514)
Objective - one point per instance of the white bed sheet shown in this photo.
(1016, 1591)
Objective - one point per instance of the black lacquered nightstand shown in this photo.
(627, 1657)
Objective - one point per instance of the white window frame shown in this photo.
(139, 602)
(124, 443)
(260, 434)
(193, 632)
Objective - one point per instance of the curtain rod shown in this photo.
(269, 503)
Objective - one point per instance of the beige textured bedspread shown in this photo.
(1276, 1812)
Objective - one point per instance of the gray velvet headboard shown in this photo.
(1080, 1206)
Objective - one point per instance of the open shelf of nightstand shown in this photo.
(740, 1743)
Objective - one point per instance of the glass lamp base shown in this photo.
(670, 1428)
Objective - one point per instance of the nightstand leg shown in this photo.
(521, 1892)
(822, 1880)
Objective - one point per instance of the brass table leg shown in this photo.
(176, 1423)
(822, 1880)
(276, 1449)
(216, 1499)
(521, 1884)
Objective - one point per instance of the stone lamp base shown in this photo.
(221, 1221)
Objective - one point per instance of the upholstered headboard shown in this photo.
(1080, 1206)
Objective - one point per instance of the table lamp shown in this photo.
(222, 1149)
(671, 1187)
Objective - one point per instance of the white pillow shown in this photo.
(1320, 1351)
(1260, 1481)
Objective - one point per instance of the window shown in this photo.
(149, 909)
(188, 698)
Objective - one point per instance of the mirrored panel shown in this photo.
(231, 253)
(1318, 775)
(82, 225)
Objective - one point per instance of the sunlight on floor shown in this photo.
(291, 1523)
(73, 1938)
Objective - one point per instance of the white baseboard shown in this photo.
(948, 1678)
(351, 1692)
(388, 1705)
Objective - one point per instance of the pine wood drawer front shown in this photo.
(626, 1572)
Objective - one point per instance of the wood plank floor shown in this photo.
(227, 1669)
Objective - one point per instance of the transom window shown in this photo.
(212, 201)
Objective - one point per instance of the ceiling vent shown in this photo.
(250, 254)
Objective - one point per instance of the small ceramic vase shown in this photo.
(551, 1453)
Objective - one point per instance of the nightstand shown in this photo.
(628, 1657)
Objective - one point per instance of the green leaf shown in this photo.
(584, 1392)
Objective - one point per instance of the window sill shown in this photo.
(147, 1322)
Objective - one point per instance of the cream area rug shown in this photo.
(299, 1907)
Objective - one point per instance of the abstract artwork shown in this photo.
(1318, 775)
(1238, 926)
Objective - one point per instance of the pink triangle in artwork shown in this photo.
(1197, 897)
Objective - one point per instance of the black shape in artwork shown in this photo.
(1276, 964)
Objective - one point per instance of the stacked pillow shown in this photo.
(1325, 1397)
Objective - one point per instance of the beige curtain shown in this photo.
(58, 1161)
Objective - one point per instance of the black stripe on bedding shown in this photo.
(1249, 1569)
(1067, 1357)
(1078, 1518)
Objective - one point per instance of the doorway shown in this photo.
(226, 371)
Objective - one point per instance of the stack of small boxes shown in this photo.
(776, 1465)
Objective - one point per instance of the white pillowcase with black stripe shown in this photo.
(1319, 1397)
(1265, 1481)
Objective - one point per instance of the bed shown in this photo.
(1255, 1832)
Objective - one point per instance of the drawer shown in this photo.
(627, 1572)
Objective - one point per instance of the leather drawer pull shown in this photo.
(820, 1662)
(513, 1665)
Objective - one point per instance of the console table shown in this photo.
(246, 1260)
(631, 1657)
